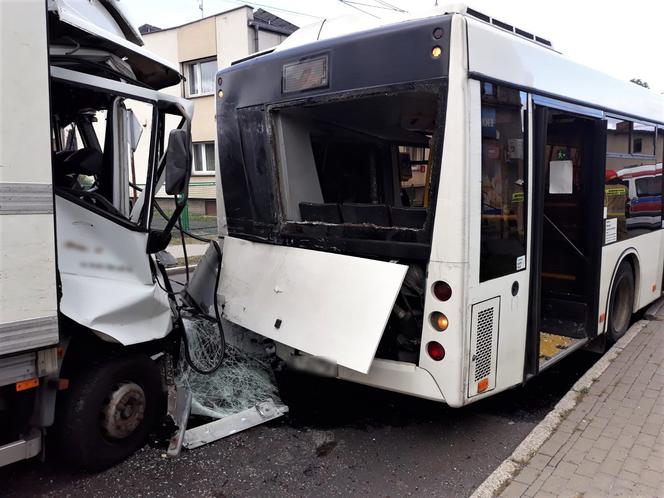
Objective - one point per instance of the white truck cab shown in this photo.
(84, 306)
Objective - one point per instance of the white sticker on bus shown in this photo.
(611, 230)
(520, 262)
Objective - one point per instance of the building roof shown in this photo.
(262, 20)
(267, 20)
(148, 28)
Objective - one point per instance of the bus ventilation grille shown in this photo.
(484, 344)
(508, 27)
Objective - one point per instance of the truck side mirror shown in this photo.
(178, 162)
(177, 172)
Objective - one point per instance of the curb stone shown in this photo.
(656, 311)
(508, 469)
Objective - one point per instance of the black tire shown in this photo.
(82, 438)
(621, 303)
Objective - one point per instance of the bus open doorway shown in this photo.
(567, 231)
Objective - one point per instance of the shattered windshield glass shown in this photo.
(244, 379)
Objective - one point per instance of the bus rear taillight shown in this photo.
(435, 350)
(438, 321)
(442, 290)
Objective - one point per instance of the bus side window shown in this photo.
(504, 183)
(633, 179)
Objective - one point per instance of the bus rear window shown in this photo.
(361, 161)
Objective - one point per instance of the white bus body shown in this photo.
(316, 252)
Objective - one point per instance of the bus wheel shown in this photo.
(621, 302)
(108, 411)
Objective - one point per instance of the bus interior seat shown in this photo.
(373, 214)
(408, 217)
(325, 213)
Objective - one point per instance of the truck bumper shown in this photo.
(22, 449)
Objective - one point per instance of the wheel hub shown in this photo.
(124, 411)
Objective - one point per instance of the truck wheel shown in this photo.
(108, 411)
(621, 303)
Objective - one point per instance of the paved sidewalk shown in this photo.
(607, 438)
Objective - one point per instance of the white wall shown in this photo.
(27, 246)
(234, 36)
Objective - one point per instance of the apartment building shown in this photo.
(201, 48)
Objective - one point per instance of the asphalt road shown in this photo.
(339, 439)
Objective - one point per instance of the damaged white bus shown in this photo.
(432, 206)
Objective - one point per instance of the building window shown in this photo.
(200, 77)
(203, 158)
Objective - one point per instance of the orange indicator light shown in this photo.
(439, 321)
(27, 384)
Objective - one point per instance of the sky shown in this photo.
(617, 37)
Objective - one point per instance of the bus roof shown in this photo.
(505, 53)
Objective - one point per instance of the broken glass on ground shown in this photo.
(241, 393)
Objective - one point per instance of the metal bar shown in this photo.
(204, 434)
(565, 237)
(578, 344)
(18, 367)
(21, 450)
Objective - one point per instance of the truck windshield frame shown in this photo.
(138, 219)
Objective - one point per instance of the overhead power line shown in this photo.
(353, 6)
(390, 6)
(272, 7)
(370, 5)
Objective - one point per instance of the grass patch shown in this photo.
(177, 241)
(193, 260)
(581, 393)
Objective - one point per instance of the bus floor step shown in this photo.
(562, 327)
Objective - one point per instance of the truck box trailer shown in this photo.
(86, 308)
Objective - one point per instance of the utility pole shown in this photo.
(200, 6)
